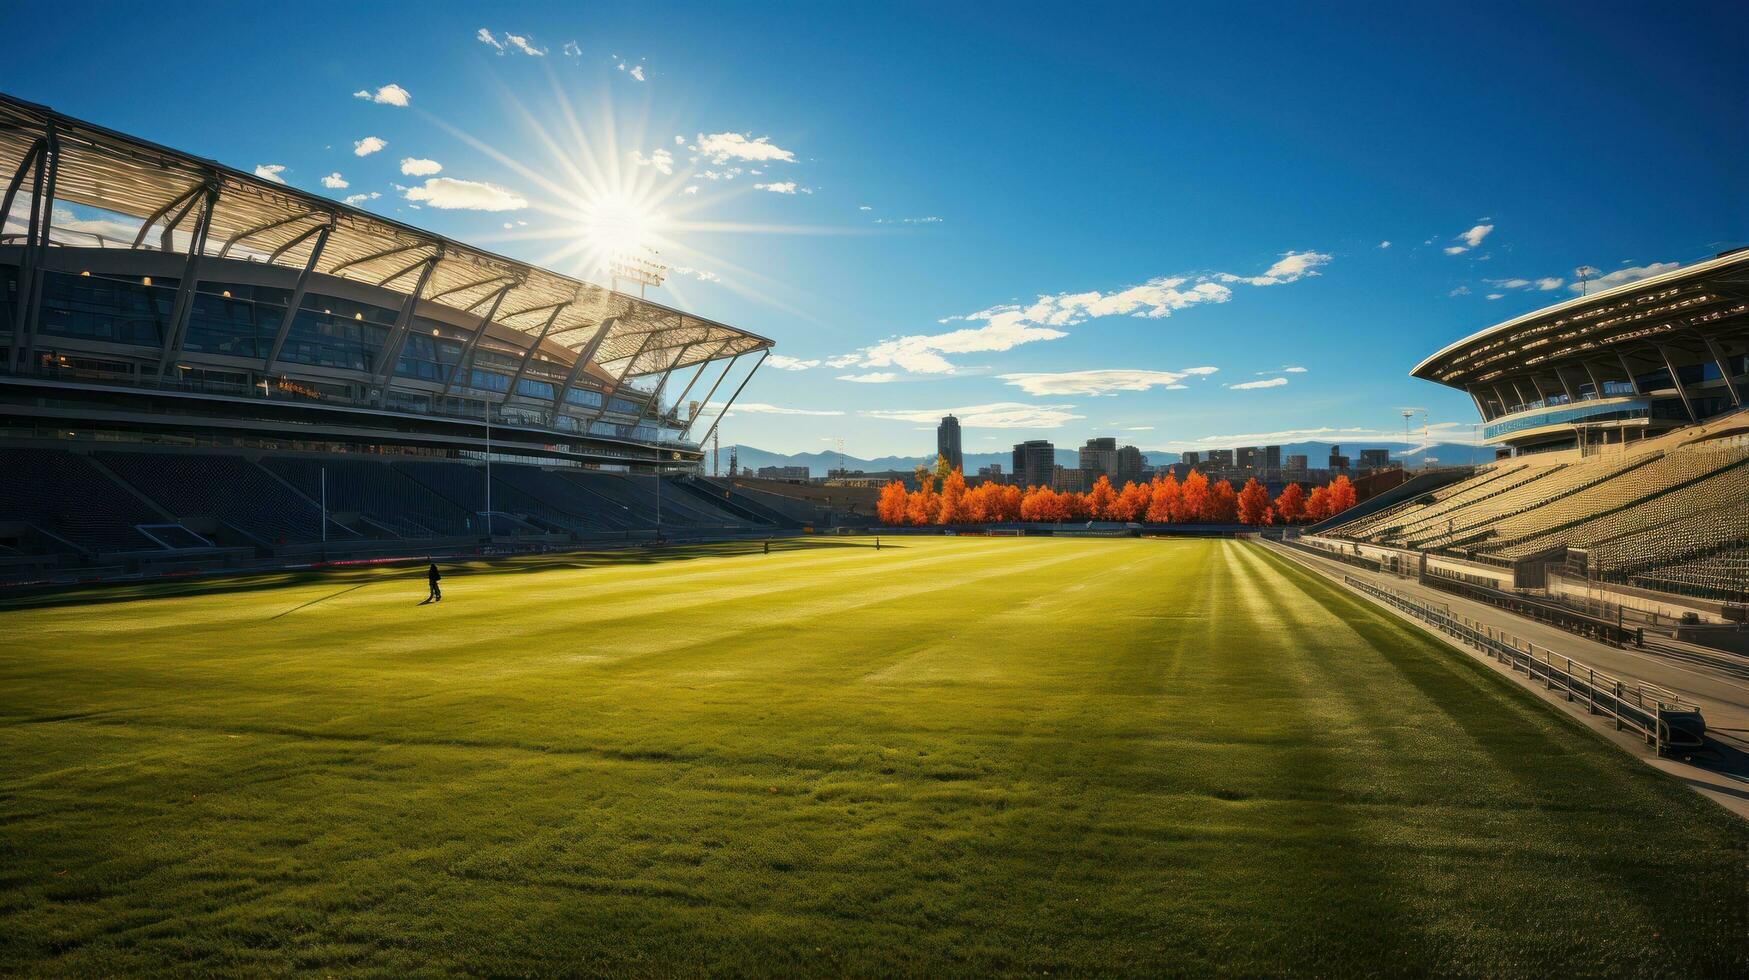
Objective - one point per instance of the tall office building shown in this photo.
(1129, 466)
(1099, 456)
(1249, 457)
(947, 443)
(1375, 459)
(1272, 459)
(1220, 459)
(1034, 463)
(1338, 462)
(1190, 458)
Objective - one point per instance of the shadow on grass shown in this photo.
(413, 567)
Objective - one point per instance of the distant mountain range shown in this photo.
(1316, 454)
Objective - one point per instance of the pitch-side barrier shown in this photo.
(1659, 716)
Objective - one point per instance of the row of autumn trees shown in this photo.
(945, 499)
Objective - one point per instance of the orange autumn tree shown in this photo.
(1132, 503)
(893, 503)
(1100, 499)
(923, 504)
(1291, 505)
(1223, 504)
(1006, 503)
(1341, 495)
(1318, 505)
(953, 508)
(1042, 505)
(1165, 500)
(1254, 504)
(1193, 498)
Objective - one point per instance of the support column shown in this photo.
(655, 401)
(1596, 382)
(1681, 392)
(297, 299)
(1724, 366)
(1566, 386)
(30, 275)
(1625, 369)
(528, 355)
(25, 166)
(384, 369)
(1481, 406)
(465, 362)
(184, 305)
(585, 354)
(700, 372)
(731, 402)
(631, 362)
(709, 395)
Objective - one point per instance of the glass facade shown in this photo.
(234, 319)
(1638, 408)
(112, 309)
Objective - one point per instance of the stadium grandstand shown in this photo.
(200, 367)
(1622, 442)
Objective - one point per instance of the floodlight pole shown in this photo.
(488, 475)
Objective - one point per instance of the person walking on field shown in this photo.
(432, 575)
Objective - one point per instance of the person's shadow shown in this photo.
(427, 601)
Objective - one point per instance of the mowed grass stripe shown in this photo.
(953, 756)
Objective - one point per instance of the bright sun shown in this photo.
(615, 225)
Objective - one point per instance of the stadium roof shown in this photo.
(266, 221)
(1686, 308)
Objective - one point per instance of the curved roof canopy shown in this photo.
(262, 220)
(1688, 308)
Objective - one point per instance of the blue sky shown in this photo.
(1056, 224)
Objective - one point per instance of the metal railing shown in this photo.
(1658, 715)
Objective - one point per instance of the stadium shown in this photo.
(205, 369)
(1486, 721)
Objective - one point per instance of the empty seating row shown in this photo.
(65, 495)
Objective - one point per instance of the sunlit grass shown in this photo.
(950, 755)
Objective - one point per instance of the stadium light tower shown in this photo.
(1585, 272)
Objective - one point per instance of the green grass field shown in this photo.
(951, 755)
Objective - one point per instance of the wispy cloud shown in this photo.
(996, 415)
(335, 182)
(1630, 274)
(662, 160)
(522, 43)
(784, 362)
(451, 194)
(782, 187)
(1249, 385)
(761, 408)
(572, 49)
(1008, 326)
(270, 171)
(513, 42)
(1385, 244)
(390, 94)
(361, 198)
(720, 148)
(420, 167)
(370, 144)
(870, 378)
(1106, 382)
(704, 275)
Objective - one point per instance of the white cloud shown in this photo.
(390, 94)
(1385, 244)
(1291, 267)
(361, 198)
(1450, 432)
(1474, 236)
(1139, 428)
(335, 182)
(661, 159)
(704, 275)
(637, 72)
(996, 415)
(723, 147)
(365, 147)
(785, 187)
(871, 378)
(420, 167)
(1097, 383)
(1294, 370)
(449, 193)
(1620, 276)
(1010, 325)
(784, 362)
(485, 37)
(270, 171)
(1460, 291)
(1495, 295)
(522, 44)
(1248, 385)
(864, 207)
(1470, 239)
(760, 408)
(925, 220)
(573, 50)
(1549, 283)
(689, 189)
